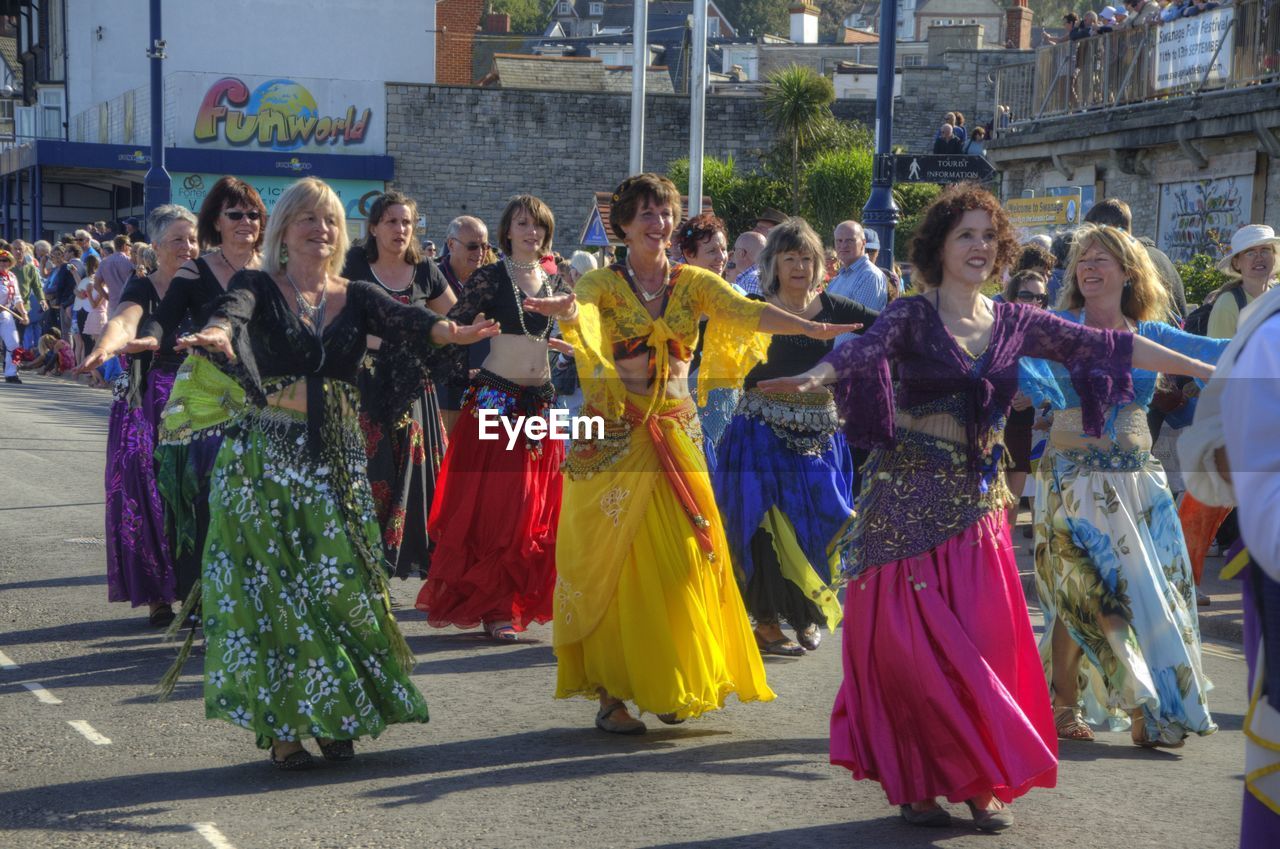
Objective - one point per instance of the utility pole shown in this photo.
(156, 185)
(639, 68)
(881, 211)
(697, 106)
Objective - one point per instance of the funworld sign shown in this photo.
(285, 115)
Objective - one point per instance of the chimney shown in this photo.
(496, 23)
(1017, 26)
(804, 22)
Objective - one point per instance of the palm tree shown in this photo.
(798, 103)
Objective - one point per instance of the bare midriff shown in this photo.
(1131, 430)
(938, 425)
(293, 397)
(519, 359)
(634, 374)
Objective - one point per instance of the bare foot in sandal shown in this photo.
(1070, 725)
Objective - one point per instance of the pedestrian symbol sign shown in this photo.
(594, 235)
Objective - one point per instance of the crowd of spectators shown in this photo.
(1132, 13)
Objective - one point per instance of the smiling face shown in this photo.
(528, 237)
(969, 250)
(312, 234)
(393, 231)
(177, 245)
(649, 231)
(1257, 264)
(467, 249)
(795, 273)
(712, 254)
(1099, 274)
(241, 233)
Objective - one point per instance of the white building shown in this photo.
(267, 91)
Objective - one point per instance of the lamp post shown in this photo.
(881, 211)
(697, 106)
(156, 185)
(639, 69)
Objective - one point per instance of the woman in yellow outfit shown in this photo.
(647, 607)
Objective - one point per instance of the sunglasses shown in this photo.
(472, 246)
(236, 215)
(1033, 297)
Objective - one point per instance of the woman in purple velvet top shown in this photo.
(943, 693)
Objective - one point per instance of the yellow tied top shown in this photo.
(609, 312)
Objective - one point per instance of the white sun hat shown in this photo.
(1248, 236)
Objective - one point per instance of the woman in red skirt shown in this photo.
(498, 499)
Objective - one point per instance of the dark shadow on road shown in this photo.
(888, 830)
(481, 659)
(72, 581)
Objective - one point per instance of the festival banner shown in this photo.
(1189, 47)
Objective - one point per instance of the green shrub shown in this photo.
(837, 185)
(1200, 277)
(737, 198)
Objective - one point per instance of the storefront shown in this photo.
(267, 131)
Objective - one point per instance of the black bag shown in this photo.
(564, 376)
(1198, 321)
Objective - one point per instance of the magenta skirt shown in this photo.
(943, 692)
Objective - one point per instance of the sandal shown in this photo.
(501, 632)
(810, 637)
(990, 820)
(337, 750)
(1138, 733)
(294, 761)
(669, 718)
(782, 647)
(605, 721)
(161, 617)
(1070, 725)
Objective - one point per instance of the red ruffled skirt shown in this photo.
(494, 526)
(943, 692)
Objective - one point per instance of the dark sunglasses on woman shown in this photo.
(1027, 297)
(236, 215)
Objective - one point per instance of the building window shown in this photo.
(597, 10)
(913, 60)
(713, 27)
(566, 9)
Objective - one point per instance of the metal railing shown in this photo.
(1229, 47)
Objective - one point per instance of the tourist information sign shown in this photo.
(930, 168)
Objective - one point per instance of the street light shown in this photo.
(156, 186)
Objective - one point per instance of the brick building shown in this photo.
(456, 25)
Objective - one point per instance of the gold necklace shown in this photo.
(778, 297)
(644, 293)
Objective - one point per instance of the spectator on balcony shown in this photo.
(1070, 19)
(1173, 11)
(1195, 7)
(1086, 28)
(959, 129)
(1142, 13)
(1106, 20)
(946, 143)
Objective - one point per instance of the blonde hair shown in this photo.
(1235, 278)
(793, 234)
(306, 195)
(1145, 297)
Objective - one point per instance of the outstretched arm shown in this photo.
(1153, 356)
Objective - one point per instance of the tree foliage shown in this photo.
(737, 198)
(837, 185)
(798, 104)
(1200, 276)
(527, 16)
(756, 17)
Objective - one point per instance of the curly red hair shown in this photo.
(941, 217)
(697, 230)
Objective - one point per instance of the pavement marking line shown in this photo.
(41, 693)
(6, 662)
(90, 733)
(1222, 651)
(210, 833)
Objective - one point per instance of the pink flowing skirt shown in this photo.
(944, 693)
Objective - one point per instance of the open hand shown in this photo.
(556, 306)
(141, 345)
(560, 347)
(212, 339)
(93, 361)
(452, 333)
(822, 330)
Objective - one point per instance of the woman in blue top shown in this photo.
(1121, 640)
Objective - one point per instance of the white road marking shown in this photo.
(41, 693)
(1218, 650)
(90, 733)
(6, 663)
(210, 833)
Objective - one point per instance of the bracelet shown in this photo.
(219, 324)
(571, 316)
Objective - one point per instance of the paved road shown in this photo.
(501, 764)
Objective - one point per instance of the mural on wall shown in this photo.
(1199, 216)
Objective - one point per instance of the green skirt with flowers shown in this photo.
(300, 641)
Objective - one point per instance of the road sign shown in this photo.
(594, 235)
(928, 168)
(1043, 212)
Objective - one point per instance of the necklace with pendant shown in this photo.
(640, 290)
(308, 313)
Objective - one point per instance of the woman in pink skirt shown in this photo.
(943, 693)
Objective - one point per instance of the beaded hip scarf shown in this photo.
(804, 421)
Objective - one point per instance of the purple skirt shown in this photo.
(139, 553)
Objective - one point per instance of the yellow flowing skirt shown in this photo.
(640, 609)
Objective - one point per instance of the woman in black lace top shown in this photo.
(498, 502)
(405, 447)
(300, 641)
(229, 228)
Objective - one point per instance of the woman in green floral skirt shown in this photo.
(300, 641)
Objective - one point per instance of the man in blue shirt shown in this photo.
(859, 279)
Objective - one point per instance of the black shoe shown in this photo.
(337, 750)
(295, 762)
(810, 638)
(14, 379)
(162, 617)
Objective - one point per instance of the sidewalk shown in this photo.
(1223, 619)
